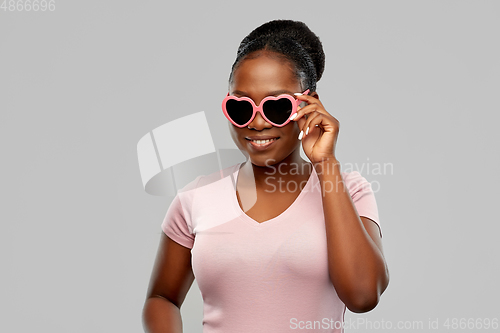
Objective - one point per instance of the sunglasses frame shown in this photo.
(295, 104)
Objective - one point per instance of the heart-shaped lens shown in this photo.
(278, 111)
(239, 111)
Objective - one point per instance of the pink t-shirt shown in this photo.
(261, 277)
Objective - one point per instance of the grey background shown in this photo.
(413, 83)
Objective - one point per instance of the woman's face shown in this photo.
(258, 78)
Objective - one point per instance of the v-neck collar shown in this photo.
(296, 202)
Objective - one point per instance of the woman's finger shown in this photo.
(311, 122)
(309, 99)
(306, 110)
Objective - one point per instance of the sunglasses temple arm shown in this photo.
(298, 101)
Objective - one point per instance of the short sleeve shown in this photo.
(176, 224)
(362, 196)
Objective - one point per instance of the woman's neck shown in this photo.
(287, 170)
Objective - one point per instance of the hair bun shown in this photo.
(295, 30)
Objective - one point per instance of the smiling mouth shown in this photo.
(263, 142)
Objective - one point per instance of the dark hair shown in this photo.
(291, 40)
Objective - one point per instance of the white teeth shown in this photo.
(260, 142)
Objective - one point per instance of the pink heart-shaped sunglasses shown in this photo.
(276, 110)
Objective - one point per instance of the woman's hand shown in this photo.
(320, 141)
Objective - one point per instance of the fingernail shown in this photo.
(293, 116)
(307, 130)
(300, 135)
(298, 94)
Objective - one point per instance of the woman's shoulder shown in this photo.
(355, 181)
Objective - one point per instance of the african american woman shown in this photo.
(283, 243)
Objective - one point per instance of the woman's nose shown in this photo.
(259, 123)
